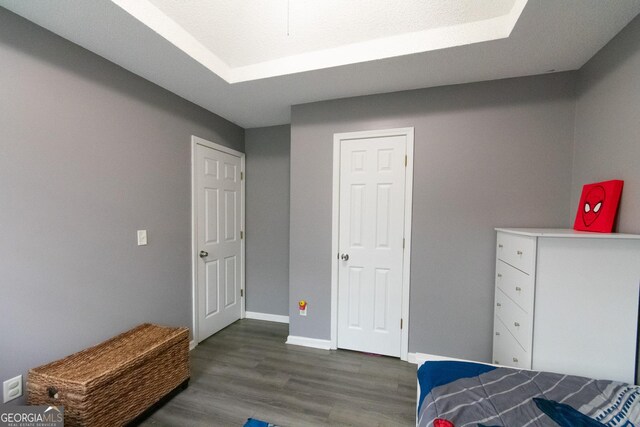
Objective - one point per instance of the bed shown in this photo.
(461, 393)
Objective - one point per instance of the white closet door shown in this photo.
(372, 192)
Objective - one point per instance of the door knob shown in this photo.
(345, 257)
(204, 254)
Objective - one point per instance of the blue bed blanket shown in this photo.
(473, 394)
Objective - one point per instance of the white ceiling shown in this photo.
(334, 49)
(243, 40)
(242, 32)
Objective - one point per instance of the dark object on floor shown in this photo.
(116, 381)
(251, 422)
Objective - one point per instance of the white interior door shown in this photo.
(218, 239)
(371, 232)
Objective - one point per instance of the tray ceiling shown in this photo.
(250, 60)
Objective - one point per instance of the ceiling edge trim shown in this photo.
(158, 21)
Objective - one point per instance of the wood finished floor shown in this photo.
(247, 370)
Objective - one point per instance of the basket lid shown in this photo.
(95, 365)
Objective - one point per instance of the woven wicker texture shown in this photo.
(113, 382)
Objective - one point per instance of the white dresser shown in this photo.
(567, 302)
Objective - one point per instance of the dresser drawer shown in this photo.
(517, 321)
(518, 251)
(506, 350)
(516, 285)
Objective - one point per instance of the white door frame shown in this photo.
(406, 269)
(194, 227)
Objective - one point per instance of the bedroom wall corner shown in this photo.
(607, 126)
(267, 267)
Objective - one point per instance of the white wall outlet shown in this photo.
(12, 389)
(142, 237)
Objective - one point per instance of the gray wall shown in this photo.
(89, 153)
(486, 155)
(607, 135)
(267, 250)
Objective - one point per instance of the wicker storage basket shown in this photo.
(112, 383)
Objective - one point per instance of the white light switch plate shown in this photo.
(12, 389)
(142, 237)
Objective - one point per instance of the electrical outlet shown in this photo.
(302, 307)
(12, 389)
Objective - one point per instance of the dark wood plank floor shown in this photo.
(247, 370)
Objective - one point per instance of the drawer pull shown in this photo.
(498, 333)
(498, 304)
(518, 288)
(516, 324)
(500, 246)
(519, 252)
(499, 275)
(515, 360)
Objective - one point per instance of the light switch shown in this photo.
(142, 237)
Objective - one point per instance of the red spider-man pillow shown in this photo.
(598, 206)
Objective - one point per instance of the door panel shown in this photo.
(358, 193)
(230, 223)
(218, 235)
(381, 299)
(211, 277)
(230, 281)
(372, 200)
(211, 219)
(354, 284)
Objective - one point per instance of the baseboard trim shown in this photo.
(425, 357)
(192, 345)
(420, 358)
(266, 316)
(309, 342)
(412, 358)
